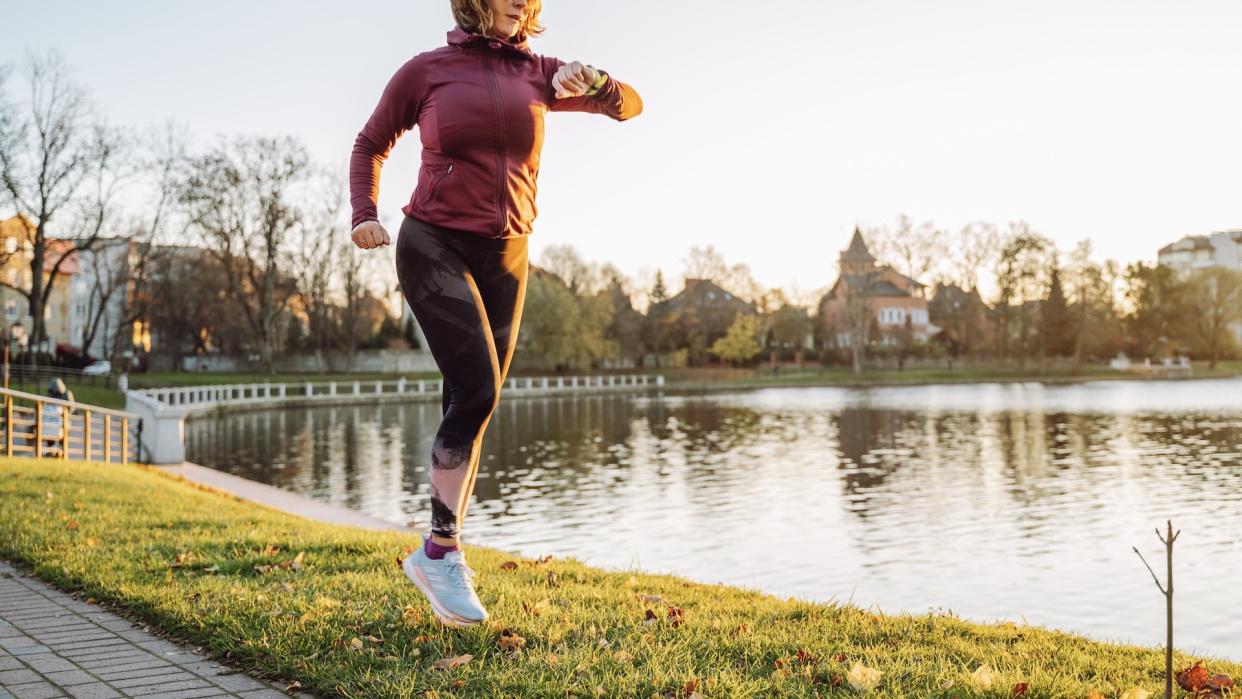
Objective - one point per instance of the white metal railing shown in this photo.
(239, 394)
(34, 425)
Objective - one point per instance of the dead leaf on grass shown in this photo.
(449, 663)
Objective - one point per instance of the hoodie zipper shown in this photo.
(500, 148)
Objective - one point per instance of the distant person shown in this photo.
(54, 417)
(461, 257)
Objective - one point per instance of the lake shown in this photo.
(990, 501)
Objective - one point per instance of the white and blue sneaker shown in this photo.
(449, 586)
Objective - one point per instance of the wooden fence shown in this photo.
(39, 426)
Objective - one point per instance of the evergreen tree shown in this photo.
(1055, 319)
(659, 293)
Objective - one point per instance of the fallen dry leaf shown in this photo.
(552, 659)
(296, 563)
(677, 615)
(621, 656)
(537, 608)
(1019, 689)
(552, 578)
(1135, 693)
(1095, 695)
(449, 663)
(91, 600)
(982, 677)
(863, 678)
(72, 525)
(1193, 678)
(654, 599)
(510, 641)
(355, 643)
(1219, 682)
(508, 565)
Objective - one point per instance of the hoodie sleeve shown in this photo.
(615, 99)
(396, 113)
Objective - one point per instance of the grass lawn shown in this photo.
(345, 622)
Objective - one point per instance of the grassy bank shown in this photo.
(339, 618)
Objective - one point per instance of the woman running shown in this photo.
(479, 104)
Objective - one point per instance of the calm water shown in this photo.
(1016, 502)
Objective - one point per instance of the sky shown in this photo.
(769, 129)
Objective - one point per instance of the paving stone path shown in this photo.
(52, 645)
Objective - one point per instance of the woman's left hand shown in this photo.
(573, 80)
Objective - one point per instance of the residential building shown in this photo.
(16, 254)
(1218, 249)
(964, 318)
(896, 303)
(100, 298)
(1195, 252)
(698, 315)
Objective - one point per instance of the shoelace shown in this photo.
(460, 574)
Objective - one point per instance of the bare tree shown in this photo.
(241, 200)
(1022, 264)
(857, 290)
(705, 263)
(317, 262)
(1214, 304)
(564, 261)
(913, 251)
(119, 271)
(57, 161)
(976, 247)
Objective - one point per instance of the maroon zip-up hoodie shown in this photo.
(479, 104)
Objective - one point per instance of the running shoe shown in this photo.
(449, 586)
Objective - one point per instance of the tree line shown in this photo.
(241, 247)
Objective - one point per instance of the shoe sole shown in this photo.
(441, 613)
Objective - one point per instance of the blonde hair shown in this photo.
(476, 16)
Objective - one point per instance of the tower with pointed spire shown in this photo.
(856, 258)
(896, 303)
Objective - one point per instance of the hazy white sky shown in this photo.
(769, 129)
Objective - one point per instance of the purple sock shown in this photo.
(435, 551)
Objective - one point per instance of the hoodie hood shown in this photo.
(458, 36)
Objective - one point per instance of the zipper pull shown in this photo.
(450, 168)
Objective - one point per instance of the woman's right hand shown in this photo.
(369, 234)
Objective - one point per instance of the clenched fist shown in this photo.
(574, 79)
(369, 234)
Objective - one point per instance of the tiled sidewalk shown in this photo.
(52, 645)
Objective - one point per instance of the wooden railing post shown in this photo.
(86, 438)
(8, 427)
(38, 445)
(124, 440)
(65, 416)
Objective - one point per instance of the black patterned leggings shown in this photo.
(467, 293)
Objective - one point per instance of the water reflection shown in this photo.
(1016, 501)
